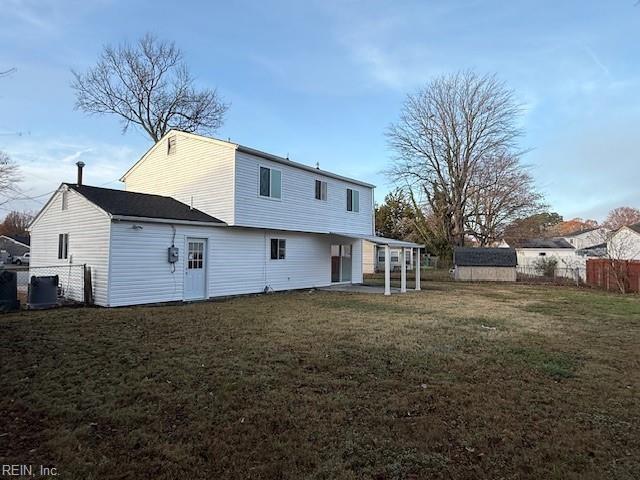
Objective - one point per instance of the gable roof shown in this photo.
(635, 227)
(250, 151)
(541, 243)
(580, 232)
(23, 239)
(484, 257)
(143, 205)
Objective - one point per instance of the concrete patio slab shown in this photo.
(354, 288)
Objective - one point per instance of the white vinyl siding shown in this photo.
(237, 259)
(88, 239)
(199, 173)
(298, 210)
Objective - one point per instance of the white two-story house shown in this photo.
(202, 218)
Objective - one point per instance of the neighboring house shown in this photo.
(15, 245)
(587, 238)
(530, 252)
(484, 264)
(204, 218)
(594, 251)
(625, 243)
(374, 257)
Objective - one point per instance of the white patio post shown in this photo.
(387, 270)
(417, 269)
(403, 270)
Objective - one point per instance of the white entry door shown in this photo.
(195, 269)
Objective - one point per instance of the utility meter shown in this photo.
(173, 254)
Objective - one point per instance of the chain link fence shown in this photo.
(557, 275)
(74, 284)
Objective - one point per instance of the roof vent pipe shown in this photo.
(80, 166)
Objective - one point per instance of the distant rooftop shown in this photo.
(541, 243)
(580, 232)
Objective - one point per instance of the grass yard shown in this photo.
(456, 381)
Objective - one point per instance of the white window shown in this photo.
(278, 248)
(394, 257)
(65, 200)
(270, 182)
(63, 246)
(353, 200)
(171, 145)
(321, 190)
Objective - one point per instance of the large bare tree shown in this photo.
(502, 192)
(621, 217)
(445, 133)
(148, 85)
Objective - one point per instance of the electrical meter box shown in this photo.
(173, 254)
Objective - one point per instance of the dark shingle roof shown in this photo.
(484, 257)
(25, 239)
(635, 227)
(541, 243)
(133, 204)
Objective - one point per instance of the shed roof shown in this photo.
(484, 257)
(143, 205)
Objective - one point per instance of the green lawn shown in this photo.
(456, 381)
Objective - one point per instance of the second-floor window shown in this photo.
(270, 182)
(353, 200)
(63, 246)
(321, 190)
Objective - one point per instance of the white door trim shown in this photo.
(186, 294)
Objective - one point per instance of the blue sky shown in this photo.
(321, 81)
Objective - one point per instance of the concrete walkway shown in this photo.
(354, 288)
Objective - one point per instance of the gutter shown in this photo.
(127, 218)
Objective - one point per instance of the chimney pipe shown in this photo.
(80, 166)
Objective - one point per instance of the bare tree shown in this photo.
(445, 132)
(622, 216)
(9, 176)
(148, 85)
(502, 191)
(16, 223)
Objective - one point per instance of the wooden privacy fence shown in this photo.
(615, 275)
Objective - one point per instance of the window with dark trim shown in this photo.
(278, 248)
(63, 246)
(270, 182)
(353, 200)
(321, 190)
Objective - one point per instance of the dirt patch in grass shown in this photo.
(459, 381)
